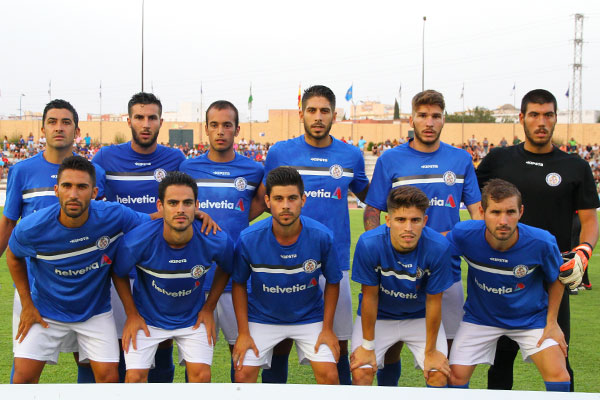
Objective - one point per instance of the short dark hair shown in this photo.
(144, 98)
(429, 98)
(223, 105)
(318, 91)
(406, 197)
(498, 190)
(537, 96)
(77, 163)
(61, 104)
(284, 176)
(176, 178)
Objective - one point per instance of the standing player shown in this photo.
(403, 267)
(172, 257)
(70, 247)
(554, 185)
(133, 170)
(285, 255)
(509, 265)
(329, 168)
(227, 184)
(447, 176)
(31, 187)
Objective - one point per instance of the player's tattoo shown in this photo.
(371, 218)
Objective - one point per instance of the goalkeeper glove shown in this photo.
(576, 262)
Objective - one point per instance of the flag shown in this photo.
(400, 92)
(567, 94)
(462, 93)
(250, 99)
(100, 89)
(513, 89)
(349, 93)
(299, 97)
(200, 88)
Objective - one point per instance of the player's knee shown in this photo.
(200, 376)
(108, 375)
(136, 376)
(328, 376)
(457, 378)
(363, 376)
(437, 379)
(23, 378)
(245, 375)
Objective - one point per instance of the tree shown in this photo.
(396, 110)
(476, 115)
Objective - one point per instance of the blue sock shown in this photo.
(558, 386)
(465, 386)
(439, 387)
(164, 370)
(232, 371)
(85, 374)
(389, 375)
(187, 380)
(279, 370)
(12, 372)
(343, 368)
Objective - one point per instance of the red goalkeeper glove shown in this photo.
(576, 262)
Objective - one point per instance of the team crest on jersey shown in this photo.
(309, 265)
(103, 242)
(336, 171)
(159, 174)
(419, 273)
(553, 179)
(449, 178)
(240, 183)
(520, 271)
(198, 271)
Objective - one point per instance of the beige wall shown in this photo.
(284, 124)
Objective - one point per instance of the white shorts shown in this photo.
(192, 347)
(453, 301)
(118, 310)
(266, 337)
(476, 344)
(389, 332)
(96, 337)
(68, 345)
(225, 318)
(342, 321)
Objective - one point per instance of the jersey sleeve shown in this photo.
(453, 237)
(241, 266)
(125, 259)
(380, 187)
(225, 259)
(440, 269)
(330, 264)
(364, 264)
(100, 181)
(19, 245)
(97, 159)
(360, 180)
(471, 193)
(14, 196)
(131, 218)
(552, 260)
(586, 196)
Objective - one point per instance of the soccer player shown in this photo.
(554, 185)
(284, 255)
(329, 169)
(172, 258)
(447, 176)
(133, 170)
(509, 263)
(70, 247)
(403, 267)
(227, 184)
(31, 187)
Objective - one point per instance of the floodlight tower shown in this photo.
(576, 113)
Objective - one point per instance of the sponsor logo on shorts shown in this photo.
(103, 242)
(159, 174)
(323, 194)
(198, 271)
(309, 265)
(179, 293)
(520, 271)
(240, 183)
(553, 179)
(336, 171)
(495, 290)
(402, 295)
(449, 178)
(290, 289)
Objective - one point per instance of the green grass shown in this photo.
(584, 349)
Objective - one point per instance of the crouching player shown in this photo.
(404, 268)
(285, 255)
(508, 265)
(171, 257)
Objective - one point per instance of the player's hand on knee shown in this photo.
(362, 356)
(29, 316)
(328, 337)
(242, 344)
(133, 324)
(552, 331)
(208, 224)
(207, 318)
(435, 360)
(576, 262)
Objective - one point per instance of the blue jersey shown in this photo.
(404, 279)
(285, 279)
(328, 173)
(225, 191)
(505, 288)
(71, 266)
(30, 186)
(132, 178)
(168, 286)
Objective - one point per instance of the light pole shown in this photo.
(423, 60)
(20, 108)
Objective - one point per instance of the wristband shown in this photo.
(368, 344)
